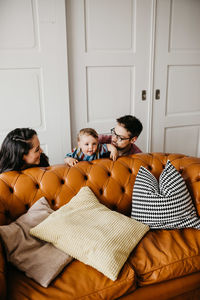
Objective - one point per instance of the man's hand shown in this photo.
(113, 152)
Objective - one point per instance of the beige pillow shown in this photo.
(92, 233)
(38, 259)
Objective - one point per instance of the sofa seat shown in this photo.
(75, 282)
(166, 254)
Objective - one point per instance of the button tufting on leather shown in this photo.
(11, 190)
(149, 167)
(181, 171)
(122, 189)
(53, 202)
(109, 174)
(114, 207)
(27, 206)
(7, 213)
(85, 177)
(37, 186)
(62, 181)
(130, 171)
(100, 191)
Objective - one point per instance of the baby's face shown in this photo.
(88, 144)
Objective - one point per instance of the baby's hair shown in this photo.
(87, 131)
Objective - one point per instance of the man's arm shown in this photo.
(104, 139)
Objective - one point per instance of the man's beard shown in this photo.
(117, 147)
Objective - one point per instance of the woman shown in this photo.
(21, 150)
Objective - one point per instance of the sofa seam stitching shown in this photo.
(170, 264)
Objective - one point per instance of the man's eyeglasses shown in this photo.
(120, 138)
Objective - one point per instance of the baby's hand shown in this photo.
(70, 161)
(113, 152)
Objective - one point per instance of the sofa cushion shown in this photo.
(92, 233)
(77, 281)
(39, 260)
(166, 254)
(163, 205)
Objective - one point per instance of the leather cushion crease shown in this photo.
(166, 254)
(164, 260)
(78, 281)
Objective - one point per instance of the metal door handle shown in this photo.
(157, 95)
(144, 95)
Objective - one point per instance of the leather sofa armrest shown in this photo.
(2, 273)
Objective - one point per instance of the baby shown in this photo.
(89, 148)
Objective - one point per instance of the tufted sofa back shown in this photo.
(112, 182)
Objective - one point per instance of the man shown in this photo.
(124, 135)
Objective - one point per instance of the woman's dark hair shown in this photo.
(16, 144)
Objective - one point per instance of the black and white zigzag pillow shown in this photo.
(163, 205)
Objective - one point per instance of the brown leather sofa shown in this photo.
(164, 265)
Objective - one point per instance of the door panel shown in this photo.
(176, 115)
(189, 134)
(33, 72)
(103, 83)
(109, 54)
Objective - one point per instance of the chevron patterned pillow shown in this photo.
(166, 204)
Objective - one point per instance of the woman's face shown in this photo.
(33, 156)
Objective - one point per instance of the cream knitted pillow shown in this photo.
(92, 233)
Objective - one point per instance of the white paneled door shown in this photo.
(121, 49)
(176, 111)
(109, 62)
(33, 72)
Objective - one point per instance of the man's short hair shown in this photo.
(132, 124)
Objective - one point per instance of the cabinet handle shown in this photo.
(144, 95)
(157, 96)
